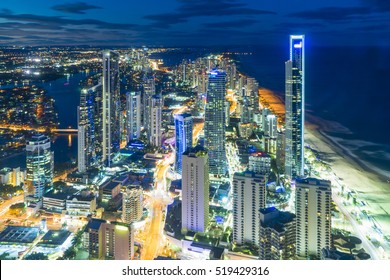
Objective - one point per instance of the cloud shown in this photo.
(203, 8)
(229, 24)
(60, 21)
(378, 5)
(293, 25)
(74, 8)
(332, 13)
(371, 28)
(6, 38)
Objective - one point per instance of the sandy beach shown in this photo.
(372, 187)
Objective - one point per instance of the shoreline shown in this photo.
(355, 175)
(316, 126)
(372, 187)
(320, 126)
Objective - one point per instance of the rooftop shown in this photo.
(249, 174)
(19, 234)
(313, 181)
(197, 151)
(94, 224)
(54, 237)
(65, 193)
(273, 218)
(110, 185)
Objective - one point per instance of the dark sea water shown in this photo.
(348, 85)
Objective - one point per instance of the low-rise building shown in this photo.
(81, 204)
(277, 234)
(109, 241)
(110, 190)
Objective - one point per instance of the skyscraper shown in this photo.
(133, 113)
(89, 127)
(132, 204)
(195, 190)
(215, 122)
(149, 90)
(271, 126)
(249, 195)
(277, 234)
(111, 106)
(98, 123)
(156, 104)
(40, 165)
(312, 208)
(295, 107)
(183, 135)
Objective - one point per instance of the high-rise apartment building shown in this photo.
(132, 204)
(215, 122)
(312, 208)
(111, 106)
(39, 165)
(249, 195)
(195, 190)
(89, 134)
(183, 136)
(295, 107)
(156, 104)
(271, 126)
(280, 151)
(260, 163)
(149, 90)
(277, 234)
(133, 115)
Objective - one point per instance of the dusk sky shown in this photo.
(193, 22)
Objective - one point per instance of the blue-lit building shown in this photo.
(40, 165)
(295, 103)
(183, 134)
(111, 106)
(148, 90)
(133, 115)
(215, 116)
(89, 134)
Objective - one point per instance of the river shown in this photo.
(66, 93)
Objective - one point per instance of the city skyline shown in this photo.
(126, 192)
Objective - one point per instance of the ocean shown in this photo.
(346, 85)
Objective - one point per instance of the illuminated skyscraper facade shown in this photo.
(156, 104)
(312, 208)
(132, 204)
(89, 128)
(183, 135)
(295, 103)
(149, 90)
(195, 190)
(249, 195)
(133, 115)
(111, 106)
(215, 122)
(40, 165)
